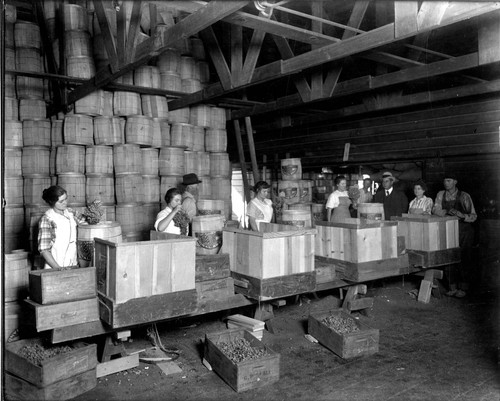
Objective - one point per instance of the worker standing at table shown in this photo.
(57, 230)
(260, 208)
(421, 204)
(337, 205)
(395, 202)
(172, 219)
(189, 192)
(454, 202)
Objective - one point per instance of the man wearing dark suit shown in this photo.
(395, 202)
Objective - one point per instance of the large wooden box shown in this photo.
(47, 317)
(55, 285)
(141, 269)
(81, 358)
(270, 254)
(245, 375)
(427, 232)
(346, 345)
(357, 240)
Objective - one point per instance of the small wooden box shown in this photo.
(215, 289)
(19, 389)
(428, 232)
(141, 269)
(357, 240)
(46, 317)
(82, 358)
(245, 375)
(346, 345)
(55, 285)
(212, 267)
(270, 254)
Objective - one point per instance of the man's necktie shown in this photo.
(386, 193)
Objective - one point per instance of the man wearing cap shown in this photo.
(189, 191)
(454, 202)
(395, 202)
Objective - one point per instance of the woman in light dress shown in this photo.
(337, 206)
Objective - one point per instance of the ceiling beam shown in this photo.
(212, 45)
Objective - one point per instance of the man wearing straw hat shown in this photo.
(395, 202)
(189, 191)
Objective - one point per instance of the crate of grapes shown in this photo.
(241, 360)
(343, 334)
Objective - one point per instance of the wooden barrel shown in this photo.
(78, 129)
(218, 118)
(190, 85)
(92, 104)
(298, 218)
(100, 187)
(215, 140)
(147, 76)
(371, 211)
(220, 165)
(126, 79)
(77, 44)
(167, 182)
(75, 17)
(99, 160)
(10, 13)
(187, 66)
(27, 34)
(9, 35)
(171, 81)
(74, 184)
(109, 212)
(181, 134)
(196, 48)
(127, 159)
(129, 216)
(13, 221)
(198, 138)
(139, 130)
(35, 160)
(129, 188)
(161, 133)
(107, 230)
(179, 116)
(13, 134)
(29, 59)
(202, 72)
(289, 191)
(70, 159)
(16, 277)
(56, 133)
(199, 115)
(306, 190)
(108, 131)
(291, 169)
(221, 188)
(208, 232)
(150, 211)
(318, 212)
(107, 104)
(154, 106)
(149, 161)
(80, 67)
(171, 161)
(29, 87)
(13, 191)
(210, 206)
(205, 187)
(151, 189)
(10, 59)
(10, 85)
(169, 61)
(12, 108)
(13, 163)
(32, 109)
(196, 162)
(127, 103)
(33, 187)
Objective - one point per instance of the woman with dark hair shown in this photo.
(165, 219)
(57, 230)
(421, 204)
(260, 208)
(339, 201)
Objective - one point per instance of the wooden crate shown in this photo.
(147, 309)
(212, 267)
(46, 317)
(82, 358)
(215, 289)
(428, 232)
(244, 375)
(55, 285)
(141, 269)
(357, 240)
(346, 345)
(325, 271)
(19, 389)
(270, 254)
(428, 259)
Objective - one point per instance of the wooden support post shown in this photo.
(241, 152)
(264, 168)
(112, 348)
(424, 294)
(351, 303)
(251, 146)
(264, 312)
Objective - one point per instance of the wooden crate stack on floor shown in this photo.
(213, 278)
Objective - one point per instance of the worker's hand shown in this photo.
(177, 208)
(455, 212)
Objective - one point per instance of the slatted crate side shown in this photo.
(245, 251)
(274, 258)
(183, 270)
(452, 240)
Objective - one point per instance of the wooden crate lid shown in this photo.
(423, 218)
(357, 223)
(290, 231)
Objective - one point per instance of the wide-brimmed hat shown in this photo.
(190, 179)
(388, 174)
(452, 176)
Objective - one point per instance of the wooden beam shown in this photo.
(317, 75)
(405, 17)
(133, 30)
(252, 56)
(489, 39)
(236, 54)
(241, 153)
(251, 148)
(212, 45)
(121, 33)
(107, 36)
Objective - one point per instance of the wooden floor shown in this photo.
(445, 350)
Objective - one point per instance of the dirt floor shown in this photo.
(445, 350)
